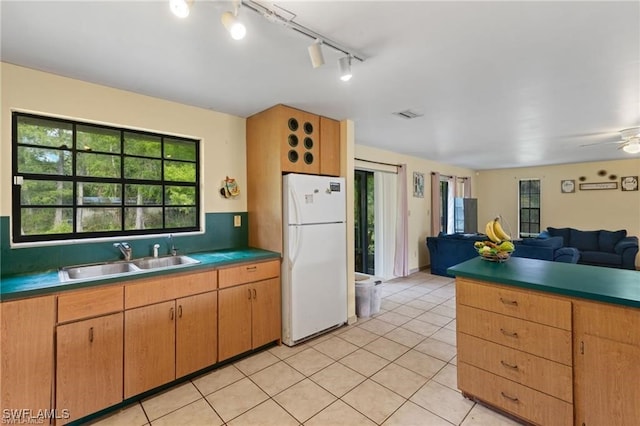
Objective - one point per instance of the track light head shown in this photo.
(233, 25)
(345, 68)
(180, 8)
(315, 54)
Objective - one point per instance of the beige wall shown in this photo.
(222, 135)
(419, 208)
(497, 192)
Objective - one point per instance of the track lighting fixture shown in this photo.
(632, 147)
(180, 8)
(232, 24)
(315, 53)
(345, 68)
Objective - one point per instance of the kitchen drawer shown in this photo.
(537, 339)
(538, 373)
(248, 272)
(516, 303)
(614, 322)
(514, 398)
(90, 303)
(160, 289)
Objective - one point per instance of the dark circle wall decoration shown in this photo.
(293, 156)
(308, 128)
(308, 143)
(308, 157)
(293, 124)
(582, 178)
(602, 172)
(613, 177)
(293, 140)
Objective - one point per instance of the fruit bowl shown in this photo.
(494, 252)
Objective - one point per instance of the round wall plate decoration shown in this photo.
(567, 186)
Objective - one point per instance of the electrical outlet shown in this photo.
(237, 221)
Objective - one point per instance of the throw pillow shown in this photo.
(584, 240)
(561, 232)
(608, 239)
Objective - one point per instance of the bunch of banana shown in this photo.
(495, 232)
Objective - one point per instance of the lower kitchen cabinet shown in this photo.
(196, 332)
(149, 347)
(607, 364)
(249, 317)
(26, 365)
(89, 365)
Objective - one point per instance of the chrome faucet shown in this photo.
(172, 248)
(125, 249)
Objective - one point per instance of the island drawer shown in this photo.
(514, 398)
(90, 303)
(160, 289)
(249, 272)
(527, 305)
(537, 339)
(532, 371)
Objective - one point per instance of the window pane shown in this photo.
(179, 150)
(180, 196)
(524, 228)
(179, 172)
(46, 221)
(525, 201)
(143, 145)
(98, 219)
(524, 187)
(46, 192)
(142, 168)
(44, 161)
(180, 217)
(38, 131)
(535, 228)
(90, 193)
(140, 195)
(98, 165)
(535, 186)
(535, 216)
(524, 215)
(143, 218)
(97, 139)
(535, 200)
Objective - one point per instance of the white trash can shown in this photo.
(364, 296)
(376, 298)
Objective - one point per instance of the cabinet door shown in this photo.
(26, 364)
(196, 332)
(149, 347)
(329, 147)
(234, 321)
(611, 370)
(89, 365)
(300, 152)
(266, 315)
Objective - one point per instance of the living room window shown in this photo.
(529, 211)
(75, 180)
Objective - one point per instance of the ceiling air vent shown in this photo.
(408, 114)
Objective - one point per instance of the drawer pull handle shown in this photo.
(509, 333)
(511, 398)
(511, 366)
(254, 293)
(249, 290)
(171, 313)
(251, 268)
(91, 334)
(179, 311)
(509, 302)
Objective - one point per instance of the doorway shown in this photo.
(364, 204)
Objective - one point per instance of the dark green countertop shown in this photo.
(47, 282)
(617, 286)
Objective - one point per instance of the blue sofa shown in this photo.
(447, 250)
(612, 249)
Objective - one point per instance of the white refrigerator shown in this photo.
(314, 266)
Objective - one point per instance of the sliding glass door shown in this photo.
(364, 202)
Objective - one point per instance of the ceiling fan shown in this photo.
(628, 140)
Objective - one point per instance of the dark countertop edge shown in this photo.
(600, 296)
(53, 285)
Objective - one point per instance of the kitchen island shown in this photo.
(550, 343)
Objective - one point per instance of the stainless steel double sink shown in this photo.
(120, 268)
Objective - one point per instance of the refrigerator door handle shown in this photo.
(294, 248)
(294, 198)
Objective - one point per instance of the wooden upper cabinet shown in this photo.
(329, 147)
(300, 141)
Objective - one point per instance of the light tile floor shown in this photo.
(395, 368)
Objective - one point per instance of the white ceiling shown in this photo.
(500, 84)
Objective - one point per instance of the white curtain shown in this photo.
(435, 204)
(401, 265)
(450, 208)
(386, 203)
